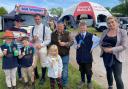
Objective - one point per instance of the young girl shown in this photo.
(54, 64)
(10, 54)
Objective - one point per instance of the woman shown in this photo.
(113, 43)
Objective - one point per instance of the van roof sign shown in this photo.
(24, 9)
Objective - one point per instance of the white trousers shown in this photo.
(10, 75)
(28, 73)
(41, 55)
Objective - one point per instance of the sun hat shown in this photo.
(8, 34)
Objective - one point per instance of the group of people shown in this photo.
(52, 49)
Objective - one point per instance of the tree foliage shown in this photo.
(3, 11)
(122, 8)
(56, 11)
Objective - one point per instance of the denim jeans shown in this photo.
(65, 61)
(116, 70)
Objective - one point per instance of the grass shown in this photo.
(74, 78)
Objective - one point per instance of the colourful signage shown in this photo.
(30, 9)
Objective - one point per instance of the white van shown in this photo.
(27, 13)
(0, 23)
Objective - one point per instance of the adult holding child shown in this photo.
(114, 42)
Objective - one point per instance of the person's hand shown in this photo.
(62, 43)
(20, 56)
(52, 63)
(5, 52)
(78, 46)
(1, 57)
(34, 39)
(38, 46)
(107, 50)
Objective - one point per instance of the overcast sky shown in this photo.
(10, 4)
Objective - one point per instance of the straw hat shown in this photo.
(8, 34)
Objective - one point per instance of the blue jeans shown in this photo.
(116, 70)
(65, 61)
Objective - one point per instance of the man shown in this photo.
(18, 33)
(63, 40)
(40, 37)
(85, 42)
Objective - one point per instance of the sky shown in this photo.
(10, 4)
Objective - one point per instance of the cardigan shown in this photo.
(121, 45)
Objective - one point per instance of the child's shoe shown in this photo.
(14, 87)
(9, 87)
(33, 85)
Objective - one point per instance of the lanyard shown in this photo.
(26, 49)
(9, 46)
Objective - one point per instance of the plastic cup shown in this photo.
(16, 53)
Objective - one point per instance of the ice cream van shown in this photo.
(27, 13)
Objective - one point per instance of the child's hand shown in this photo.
(52, 64)
(23, 53)
(78, 46)
(20, 56)
(5, 52)
(0, 57)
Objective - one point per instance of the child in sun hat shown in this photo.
(27, 63)
(9, 59)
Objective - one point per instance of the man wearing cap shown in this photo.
(18, 34)
(63, 40)
(40, 37)
(10, 55)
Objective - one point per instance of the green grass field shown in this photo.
(74, 78)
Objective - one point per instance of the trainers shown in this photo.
(110, 87)
(33, 85)
(9, 87)
(81, 84)
(90, 86)
(14, 87)
(42, 81)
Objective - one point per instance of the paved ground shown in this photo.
(99, 70)
(98, 67)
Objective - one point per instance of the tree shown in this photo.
(125, 6)
(122, 8)
(3, 11)
(56, 11)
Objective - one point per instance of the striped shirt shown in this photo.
(18, 33)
